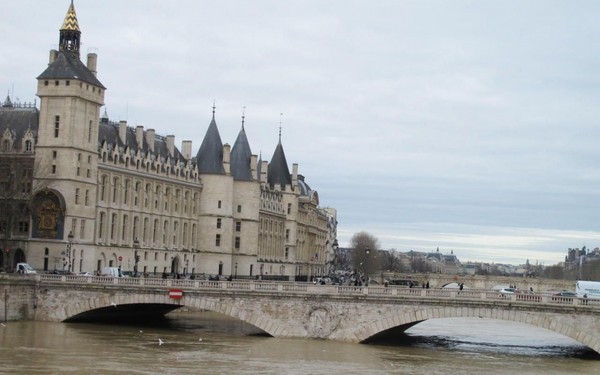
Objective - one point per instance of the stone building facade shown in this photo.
(102, 192)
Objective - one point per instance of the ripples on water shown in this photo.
(208, 343)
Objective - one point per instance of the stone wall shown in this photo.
(17, 299)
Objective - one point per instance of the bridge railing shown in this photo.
(309, 288)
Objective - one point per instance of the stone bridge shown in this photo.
(343, 313)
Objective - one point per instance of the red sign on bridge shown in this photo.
(175, 293)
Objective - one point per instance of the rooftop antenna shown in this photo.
(280, 116)
(243, 116)
(214, 107)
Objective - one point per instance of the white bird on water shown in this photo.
(160, 342)
(114, 304)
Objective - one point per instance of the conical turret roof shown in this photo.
(210, 155)
(278, 172)
(240, 158)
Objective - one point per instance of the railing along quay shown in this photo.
(309, 288)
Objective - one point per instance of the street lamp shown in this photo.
(136, 257)
(367, 252)
(236, 270)
(69, 245)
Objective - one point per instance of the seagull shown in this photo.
(200, 339)
(114, 304)
(141, 331)
(160, 342)
(2, 324)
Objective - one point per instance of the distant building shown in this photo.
(95, 192)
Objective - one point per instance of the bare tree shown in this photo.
(391, 261)
(17, 191)
(364, 247)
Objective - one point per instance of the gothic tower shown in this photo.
(66, 153)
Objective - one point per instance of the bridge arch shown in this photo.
(229, 308)
(365, 331)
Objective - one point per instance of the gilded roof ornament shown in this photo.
(70, 22)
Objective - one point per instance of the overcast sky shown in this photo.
(471, 126)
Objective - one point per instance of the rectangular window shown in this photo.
(287, 234)
(56, 125)
(239, 208)
(237, 243)
(113, 226)
(54, 154)
(289, 210)
(124, 229)
(87, 197)
(26, 187)
(238, 226)
(218, 240)
(82, 229)
(24, 226)
(219, 204)
(54, 169)
(73, 226)
(218, 223)
(101, 225)
(77, 196)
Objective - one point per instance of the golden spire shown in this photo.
(71, 19)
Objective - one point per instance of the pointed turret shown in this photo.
(241, 156)
(278, 172)
(210, 155)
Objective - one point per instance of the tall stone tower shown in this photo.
(66, 153)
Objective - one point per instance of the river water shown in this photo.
(208, 343)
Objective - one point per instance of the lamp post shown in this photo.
(187, 262)
(69, 245)
(367, 252)
(235, 270)
(136, 257)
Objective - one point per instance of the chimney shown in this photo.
(227, 158)
(123, 131)
(253, 171)
(150, 139)
(171, 145)
(186, 149)
(294, 175)
(53, 56)
(263, 171)
(92, 60)
(139, 136)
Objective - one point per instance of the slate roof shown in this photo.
(278, 172)
(18, 120)
(209, 158)
(109, 132)
(68, 66)
(240, 158)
